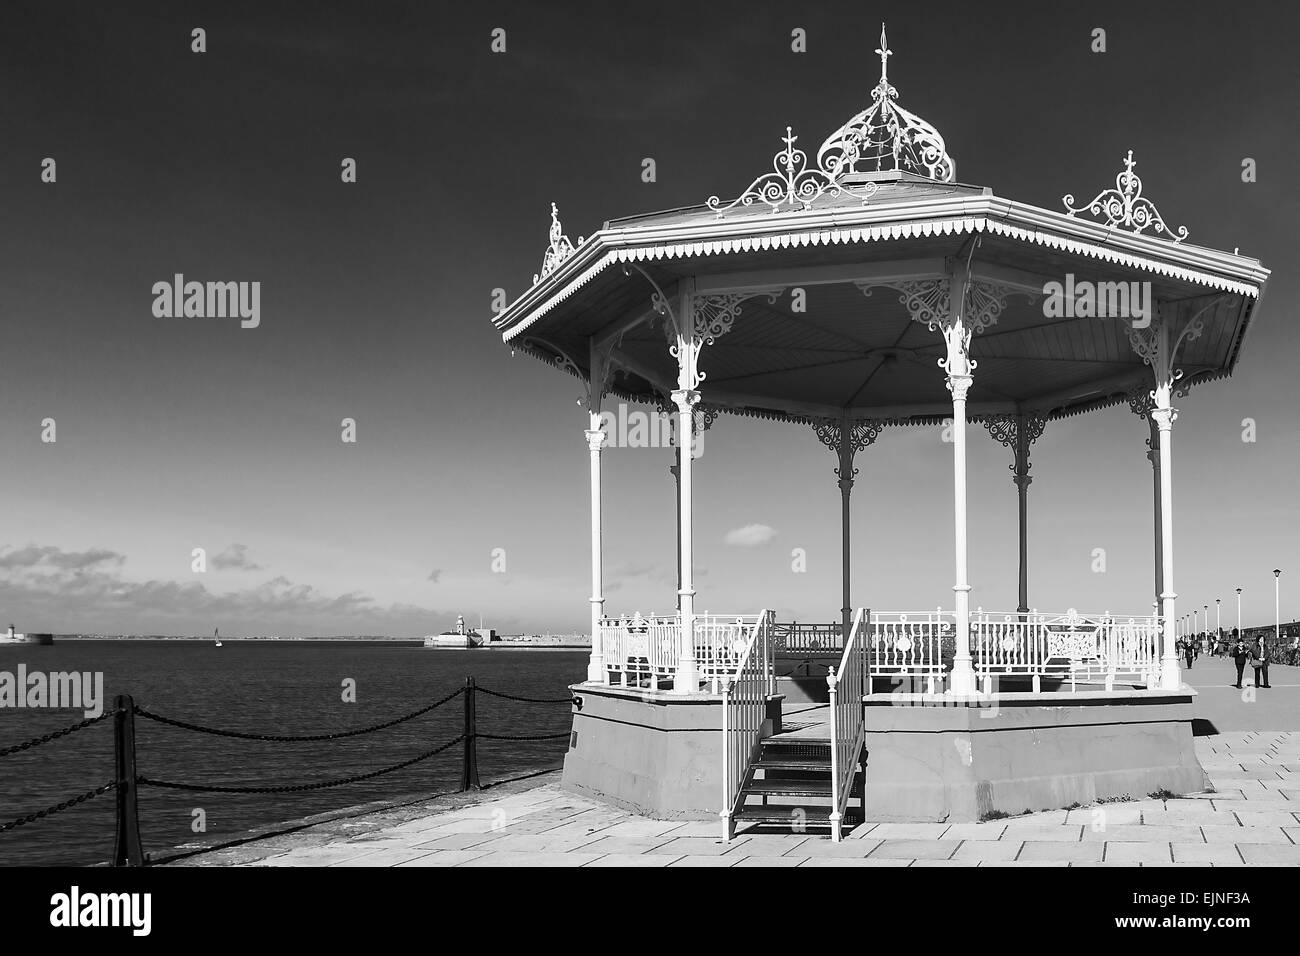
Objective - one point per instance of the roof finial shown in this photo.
(885, 54)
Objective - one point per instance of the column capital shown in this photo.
(595, 439)
(846, 484)
(959, 384)
(1164, 418)
(685, 398)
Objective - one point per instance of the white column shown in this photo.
(1163, 415)
(959, 368)
(596, 672)
(685, 397)
(685, 681)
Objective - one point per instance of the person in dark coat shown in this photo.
(1259, 660)
(1240, 654)
(1189, 651)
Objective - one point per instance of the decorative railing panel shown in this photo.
(1073, 646)
(720, 641)
(797, 638)
(640, 651)
(910, 644)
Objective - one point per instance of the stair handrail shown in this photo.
(744, 710)
(847, 687)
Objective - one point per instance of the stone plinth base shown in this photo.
(656, 754)
(937, 759)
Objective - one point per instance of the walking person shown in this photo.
(1240, 655)
(1259, 660)
(1189, 652)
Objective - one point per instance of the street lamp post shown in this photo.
(1205, 631)
(1238, 613)
(1218, 618)
(1277, 605)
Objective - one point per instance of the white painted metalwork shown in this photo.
(1125, 206)
(1078, 647)
(793, 184)
(744, 714)
(847, 687)
(640, 651)
(886, 137)
(646, 652)
(560, 247)
(910, 644)
(720, 642)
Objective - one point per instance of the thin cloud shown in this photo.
(750, 536)
(235, 558)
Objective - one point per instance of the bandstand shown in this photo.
(856, 290)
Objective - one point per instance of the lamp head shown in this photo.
(1277, 572)
(1239, 592)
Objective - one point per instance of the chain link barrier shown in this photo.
(37, 741)
(57, 808)
(286, 738)
(526, 700)
(125, 706)
(299, 787)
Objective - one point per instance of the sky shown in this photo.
(466, 489)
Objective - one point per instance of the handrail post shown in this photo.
(469, 764)
(835, 763)
(127, 850)
(728, 830)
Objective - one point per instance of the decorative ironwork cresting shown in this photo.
(886, 137)
(559, 249)
(791, 185)
(1125, 206)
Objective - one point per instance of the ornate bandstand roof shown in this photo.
(828, 272)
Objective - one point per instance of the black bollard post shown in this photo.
(127, 851)
(469, 764)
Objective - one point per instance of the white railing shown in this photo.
(910, 644)
(645, 652)
(796, 638)
(1074, 646)
(848, 727)
(744, 712)
(640, 651)
(720, 640)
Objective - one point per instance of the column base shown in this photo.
(961, 681)
(1171, 675)
(686, 680)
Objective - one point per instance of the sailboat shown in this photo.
(216, 636)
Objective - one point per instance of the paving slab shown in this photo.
(1065, 852)
(915, 849)
(1206, 853)
(1137, 853)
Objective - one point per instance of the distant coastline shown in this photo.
(513, 641)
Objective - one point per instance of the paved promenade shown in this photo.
(1251, 818)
